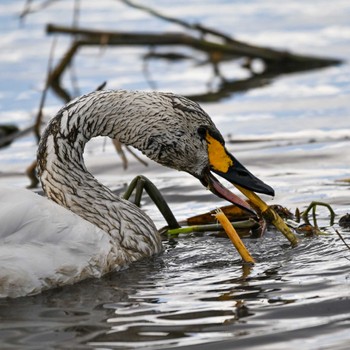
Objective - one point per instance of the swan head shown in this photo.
(185, 138)
(169, 129)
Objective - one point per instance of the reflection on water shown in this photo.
(198, 292)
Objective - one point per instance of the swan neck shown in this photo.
(66, 180)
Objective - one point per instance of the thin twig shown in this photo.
(146, 72)
(195, 26)
(27, 9)
(136, 156)
(101, 86)
(75, 24)
(118, 147)
(39, 117)
(343, 240)
(158, 14)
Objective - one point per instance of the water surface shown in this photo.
(197, 294)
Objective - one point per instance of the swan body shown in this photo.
(84, 230)
(43, 245)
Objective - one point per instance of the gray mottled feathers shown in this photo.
(163, 126)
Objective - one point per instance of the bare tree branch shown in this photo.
(28, 8)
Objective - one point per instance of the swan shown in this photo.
(84, 230)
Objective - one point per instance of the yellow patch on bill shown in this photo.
(218, 157)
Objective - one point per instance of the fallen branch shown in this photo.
(276, 61)
(235, 48)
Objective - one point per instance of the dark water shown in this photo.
(198, 294)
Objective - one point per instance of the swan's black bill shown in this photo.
(237, 174)
(227, 166)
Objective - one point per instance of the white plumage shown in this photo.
(43, 245)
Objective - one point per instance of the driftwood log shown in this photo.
(276, 62)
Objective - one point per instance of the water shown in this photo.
(192, 295)
(197, 294)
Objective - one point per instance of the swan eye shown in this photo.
(202, 132)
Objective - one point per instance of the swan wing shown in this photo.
(43, 245)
